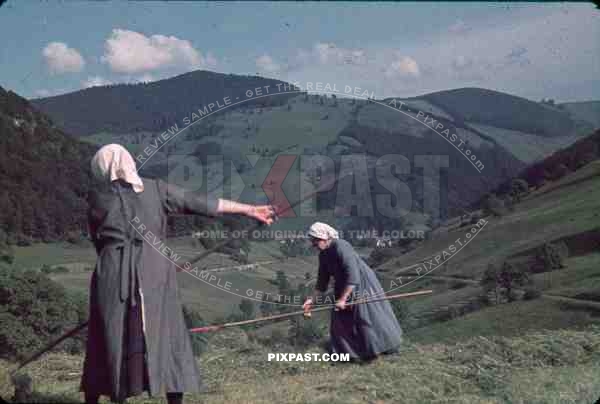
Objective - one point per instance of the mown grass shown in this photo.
(540, 367)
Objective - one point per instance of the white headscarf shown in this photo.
(322, 231)
(112, 162)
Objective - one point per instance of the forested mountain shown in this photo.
(124, 108)
(44, 174)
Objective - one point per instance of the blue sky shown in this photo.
(533, 50)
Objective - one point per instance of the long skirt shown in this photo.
(366, 330)
(134, 374)
(134, 363)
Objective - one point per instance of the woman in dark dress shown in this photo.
(365, 330)
(137, 337)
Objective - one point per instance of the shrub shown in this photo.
(502, 281)
(518, 189)
(35, 310)
(551, 256)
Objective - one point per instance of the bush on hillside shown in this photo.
(550, 257)
(35, 310)
(518, 188)
(501, 281)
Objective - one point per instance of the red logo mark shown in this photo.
(272, 185)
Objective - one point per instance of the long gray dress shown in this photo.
(365, 330)
(126, 260)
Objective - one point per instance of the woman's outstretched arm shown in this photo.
(262, 213)
(175, 199)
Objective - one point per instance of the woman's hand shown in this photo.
(263, 213)
(307, 306)
(340, 304)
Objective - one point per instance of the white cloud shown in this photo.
(62, 59)
(405, 66)
(95, 81)
(132, 52)
(266, 64)
(327, 62)
(329, 53)
(525, 56)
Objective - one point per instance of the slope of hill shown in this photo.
(500, 129)
(507, 111)
(585, 110)
(541, 350)
(44, 174)
(566, 212)
(526, 147)
(560, 163)
(153, 106)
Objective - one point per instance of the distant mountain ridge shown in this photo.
(505, 132)
(154, 106)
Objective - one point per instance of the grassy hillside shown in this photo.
(539, 367)
(524, 146)
(507, 111)
(566, 210)
(586, 110)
